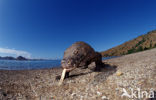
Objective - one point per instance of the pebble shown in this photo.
(119, 73)
(103, 97)
(99, 93)
(73, 94)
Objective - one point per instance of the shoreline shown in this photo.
(138, 70)
(56, 67)
(37, 65)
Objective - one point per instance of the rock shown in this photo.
(99, 93)
(104, 98)
(119, 73)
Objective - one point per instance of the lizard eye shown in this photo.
(69, 62)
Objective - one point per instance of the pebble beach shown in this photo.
(134, 71)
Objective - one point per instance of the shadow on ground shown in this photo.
(104, 71)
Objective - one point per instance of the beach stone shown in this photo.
(119, 73)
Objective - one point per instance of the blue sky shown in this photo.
(45, 28)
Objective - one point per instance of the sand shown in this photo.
(135, 71)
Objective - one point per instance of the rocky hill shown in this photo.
(13, 58)
(141, 43)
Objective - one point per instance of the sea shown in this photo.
(32, 64)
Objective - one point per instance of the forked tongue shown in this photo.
(62, 77)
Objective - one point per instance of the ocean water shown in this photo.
(22, 65)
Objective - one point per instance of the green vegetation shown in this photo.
(140, 42)
(140, 49)
(155, 46)
(133, 50)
